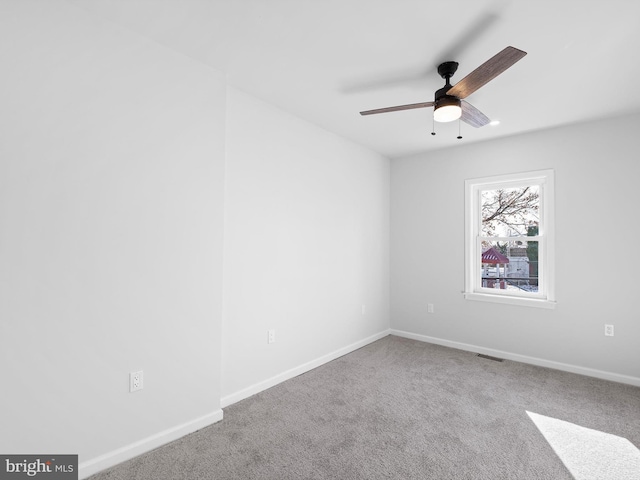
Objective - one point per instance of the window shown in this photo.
(509, 239)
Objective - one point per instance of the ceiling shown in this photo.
(325, 61)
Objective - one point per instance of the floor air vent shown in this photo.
(489, 357)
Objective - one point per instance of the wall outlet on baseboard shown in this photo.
(271, 336)
(136, 381)
(430, 308)
(608, 330)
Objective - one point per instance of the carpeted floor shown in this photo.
(402, 409)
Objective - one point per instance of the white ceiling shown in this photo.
(326, 60)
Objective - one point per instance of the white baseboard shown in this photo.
(299, 370)
(590, 372)
(88, 468)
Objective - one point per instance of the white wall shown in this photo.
(597, 172)
(306, 244)
(111, 216)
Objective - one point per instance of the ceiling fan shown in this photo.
(449, 103)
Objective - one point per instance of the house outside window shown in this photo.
(509, 239)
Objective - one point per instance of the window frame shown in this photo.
(545, 297)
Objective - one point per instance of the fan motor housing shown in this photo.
(442, 92)
(441, 96)
(445, 100)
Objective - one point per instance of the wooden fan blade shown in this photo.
(398, 108)
(486, 72)
(472, 115)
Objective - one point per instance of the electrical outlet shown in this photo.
(430, 308)
(364, 309)
(608, 330)
(135, 381)
(271, 336)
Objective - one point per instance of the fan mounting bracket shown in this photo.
(447, 69)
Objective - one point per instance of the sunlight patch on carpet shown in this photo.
(590, 454)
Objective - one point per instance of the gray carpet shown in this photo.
(399, 409)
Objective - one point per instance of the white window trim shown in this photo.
(546, 237)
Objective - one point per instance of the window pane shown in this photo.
(508, 212)
(511, 265)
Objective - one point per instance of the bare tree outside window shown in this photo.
(509, 212)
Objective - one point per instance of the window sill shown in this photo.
(521, 301)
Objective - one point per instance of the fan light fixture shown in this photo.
(447, 109)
